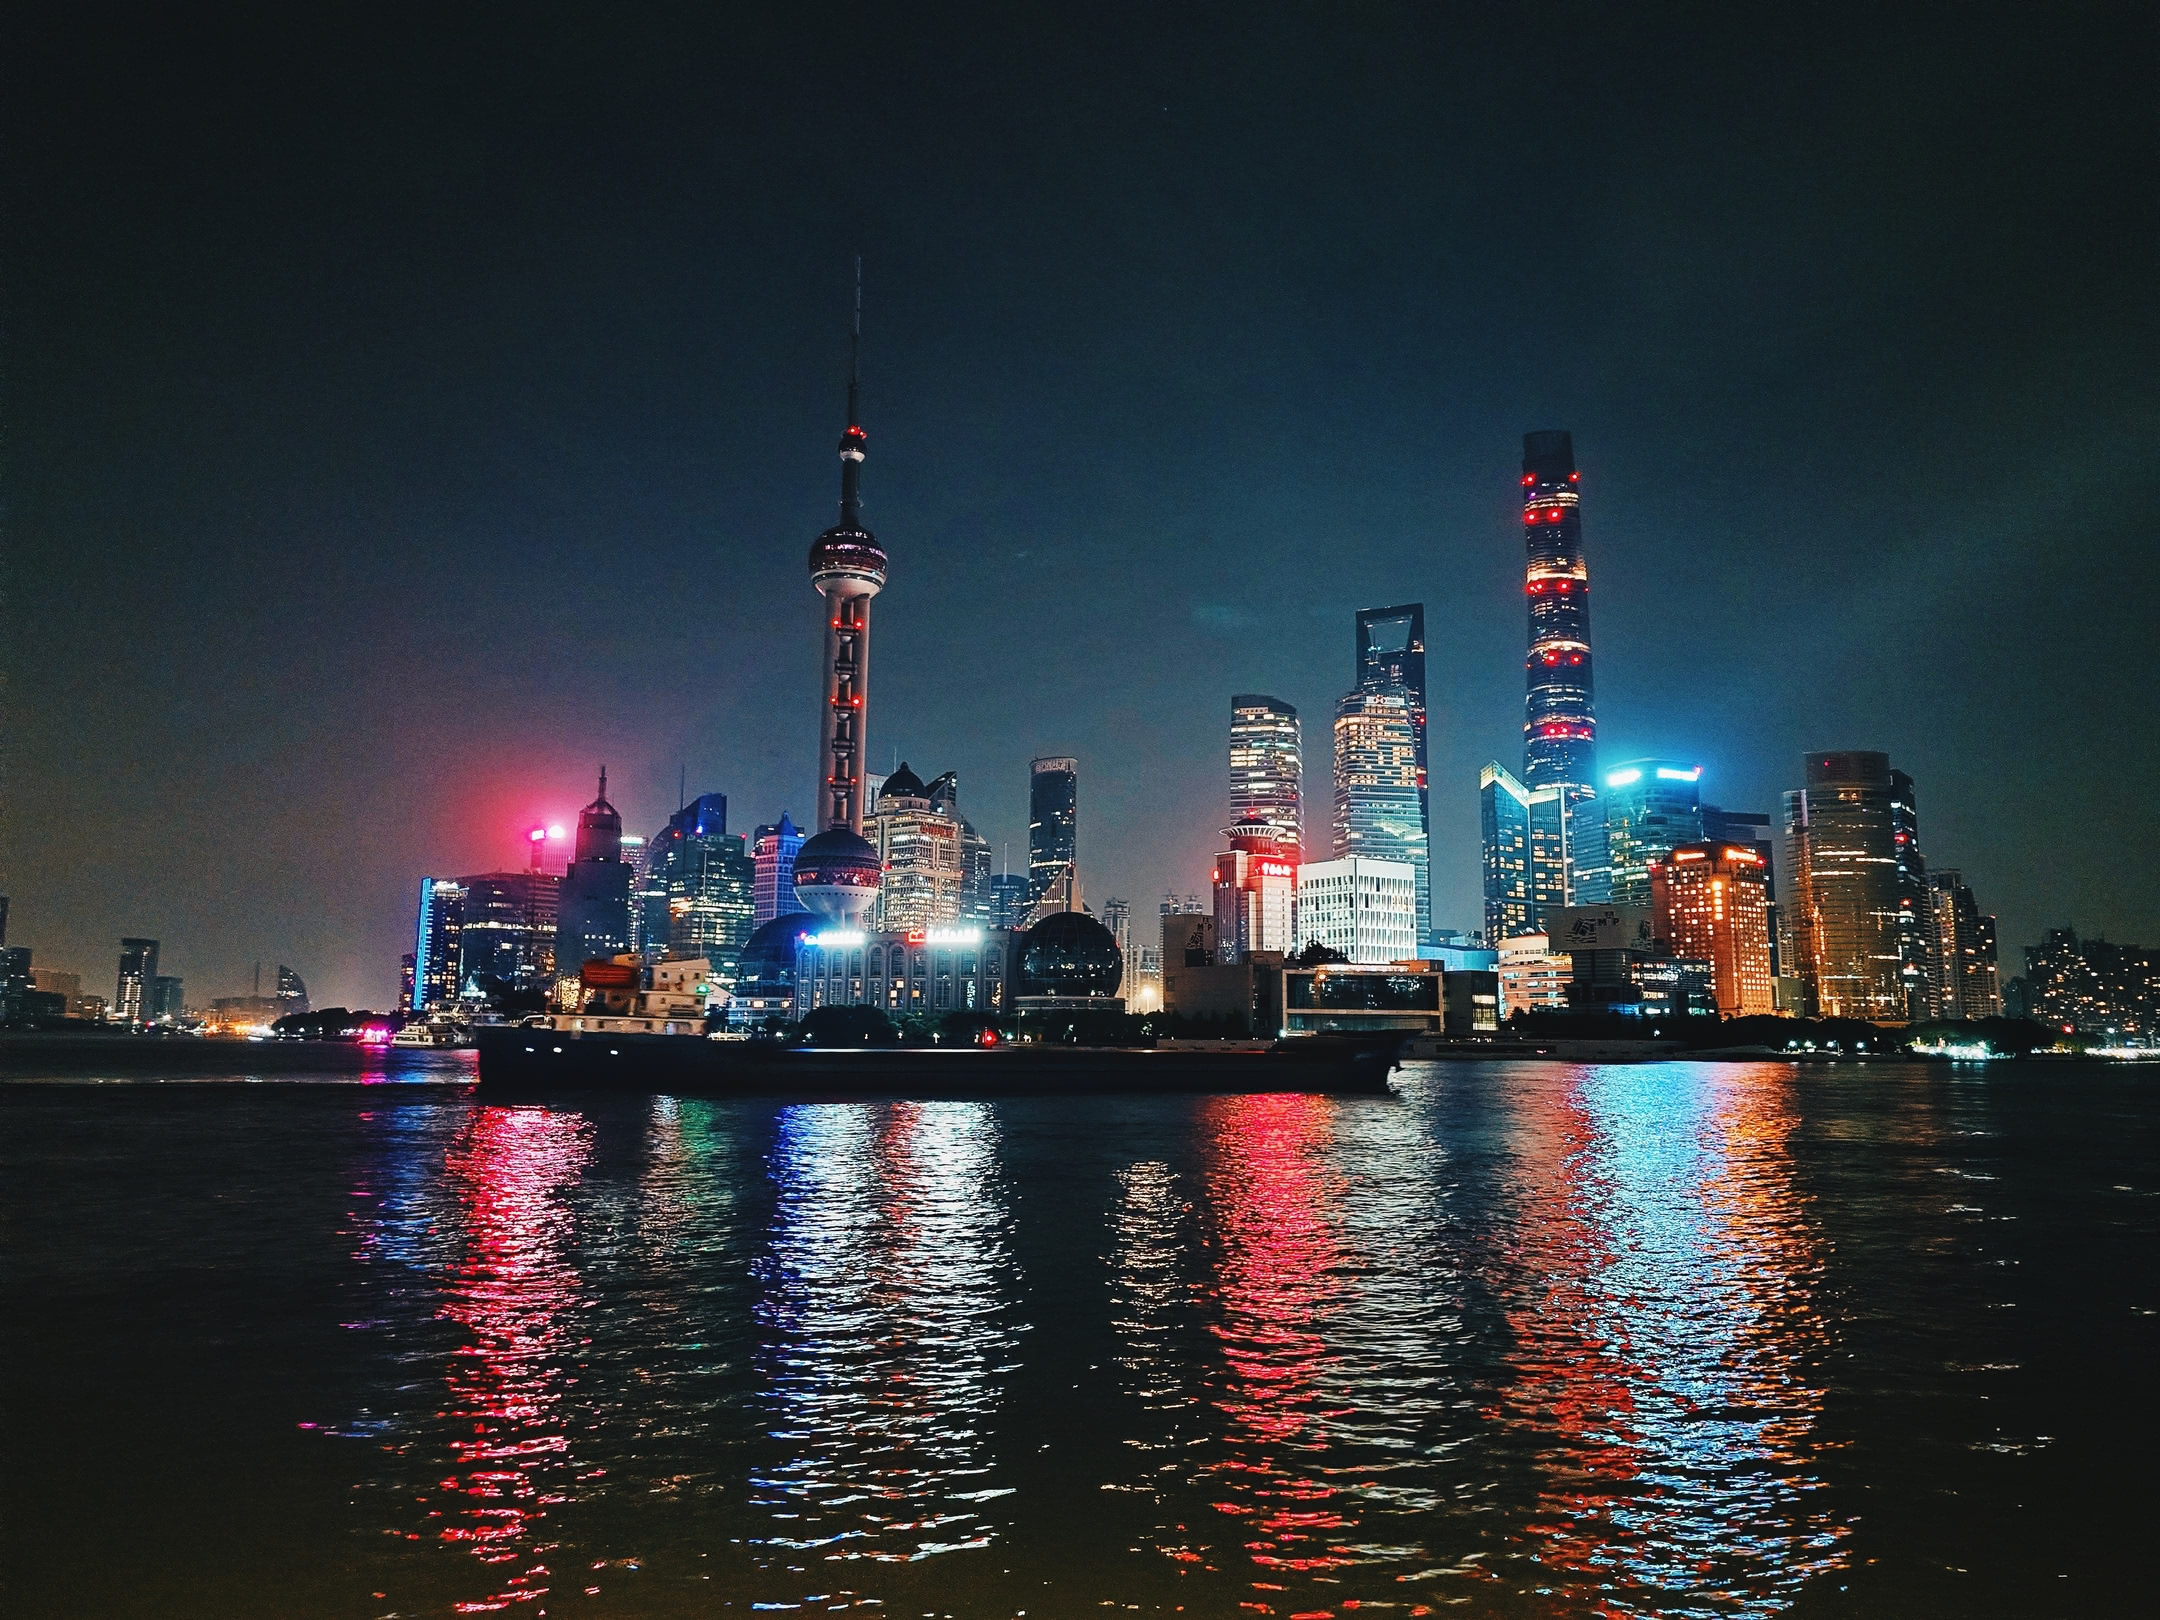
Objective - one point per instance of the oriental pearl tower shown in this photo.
(837, 872)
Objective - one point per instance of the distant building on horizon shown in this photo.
(292, 993)
(167, 1000)
(138, 974)
(772, 851)
(1840, 906)
(1267, 767)
(1053, 835)
(2092, 986)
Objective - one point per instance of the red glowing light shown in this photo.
(1526, 480)
(1574, 477)
(1553, 516)
(537, 835)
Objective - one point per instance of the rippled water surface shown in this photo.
(1527, 1339)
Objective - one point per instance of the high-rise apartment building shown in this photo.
(1363, 907)
(1267, 767)
(1255, 892)
(1711, 902)
(1379, 791)
(772, 850)
(1966, 982)
(917, 832)
(593, 914)
(138, 973)
(1053, 834)
(1841, 902)
(437, 975)
(1651, 807)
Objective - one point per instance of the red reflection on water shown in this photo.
(1277, 1211)
(512, 1289)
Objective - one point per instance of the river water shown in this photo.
(1522, 1339)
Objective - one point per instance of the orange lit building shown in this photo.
(1713, 901)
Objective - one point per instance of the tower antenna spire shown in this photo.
(853, 440)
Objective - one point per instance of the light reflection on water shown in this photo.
(884, 1314)
(1666, 1351)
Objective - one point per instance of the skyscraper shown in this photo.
(593, 917)
(1652, 806)
(506, 929)
(1841, 901)
(167, 999)
(292, 996)
(1379, 796)
(1267, 766)
(436, 973)
(1390, 664)
(1534, 856)
(772, 848)
(1916, 927)
(1710, 902)
(1559, 724)
(837, 872)
(1752, 828)
(916, 832)
(1053, 834)
(138, 974)
(709, 881)
(1964, 956)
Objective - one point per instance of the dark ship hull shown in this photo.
(539, 1059)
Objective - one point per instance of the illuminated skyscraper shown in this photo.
(1267, 766)
(773, 848)
(918, 839)
(1053, 835)
(506, 933)
(292, 996)
(1379, 789)
(1841, 902)
(436, 972)
(710, 882)
(138, 975)
(1559, 723)
(1966, 983)
(1651, 807)
(1533, 852)
(837, 872)
(1916, 924)
(1364, 908)
(1711, 902)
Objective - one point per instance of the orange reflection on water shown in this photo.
(1277, 1210)
(1665, 1337)
(513, 1289)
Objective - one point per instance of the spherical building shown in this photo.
(1069, 960)
(767, 972)
(837, 875)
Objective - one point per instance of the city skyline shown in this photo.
(452, 517)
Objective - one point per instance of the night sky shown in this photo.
(404, 416)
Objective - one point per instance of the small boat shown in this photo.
(553, 1054)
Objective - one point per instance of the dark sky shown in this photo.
(404, 415)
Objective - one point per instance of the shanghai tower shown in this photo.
(1559, 727)
(837, 873)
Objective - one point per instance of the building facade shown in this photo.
(1650, 808)
(506, 930)
(1966, 981)
(919, 836)
(1841, 902)
(708, 883)
(1255, 882)
(437, 972)
(2093, 987)
(137, 978)
(772, 852)
(1535, 855)
(1379, 788)
(1267, 767)
(916, 972)
(1053, 834)
(1533, 977)
(593, 915)
(1559, 712)
(1712, 902)
(1363, 907)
